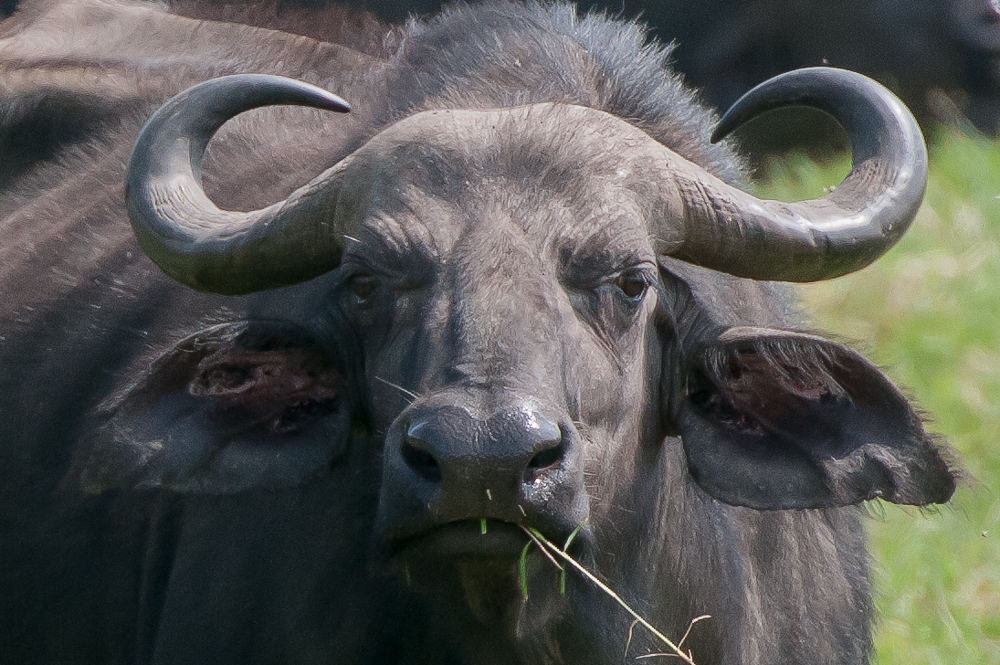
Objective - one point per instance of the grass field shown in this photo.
(929, 312)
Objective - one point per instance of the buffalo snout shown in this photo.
(453, 472)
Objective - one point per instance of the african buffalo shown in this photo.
(521, 290)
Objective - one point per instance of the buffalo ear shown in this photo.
(233, 407)
(774, 419)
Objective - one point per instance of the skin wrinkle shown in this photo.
(391, 246)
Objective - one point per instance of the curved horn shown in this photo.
(216, 250)
(729, 230)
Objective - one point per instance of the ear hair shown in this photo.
(780, 419)
(793, 368)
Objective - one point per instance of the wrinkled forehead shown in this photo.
(557, 176)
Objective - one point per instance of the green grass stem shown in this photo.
(537, 536)
(523, 568)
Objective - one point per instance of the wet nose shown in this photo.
(451, 446)
(445, 464)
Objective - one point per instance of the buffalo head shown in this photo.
(537, 300)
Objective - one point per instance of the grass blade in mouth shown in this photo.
(524, 569)
(537, 537)
(569, 541)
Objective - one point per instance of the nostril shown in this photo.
(548, 457)
(421, 462)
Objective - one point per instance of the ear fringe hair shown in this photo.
(795, 364)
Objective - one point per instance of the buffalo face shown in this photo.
(507, 325)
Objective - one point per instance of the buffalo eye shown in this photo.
(633, 285)
(363, 287)
(609, 300)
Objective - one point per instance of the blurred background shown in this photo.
(939, 56)
(942, 57)
(929, 312)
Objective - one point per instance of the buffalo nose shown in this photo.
(449, 463)
(451, 445)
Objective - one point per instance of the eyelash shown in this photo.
(363, 287)
(633, 285)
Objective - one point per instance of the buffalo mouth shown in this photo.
(468, 538)
(482, 571)
(490, 569)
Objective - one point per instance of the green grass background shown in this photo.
(929, 312)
